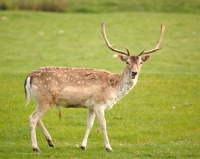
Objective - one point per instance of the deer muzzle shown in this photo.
(134, 73)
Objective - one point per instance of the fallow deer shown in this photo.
(94, 89)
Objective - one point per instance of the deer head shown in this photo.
(134, 62)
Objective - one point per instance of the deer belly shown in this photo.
(74, 97)
(69, 104)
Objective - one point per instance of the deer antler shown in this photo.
(111, 46)
(158, 44)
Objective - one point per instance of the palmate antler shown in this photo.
(127, 53)
(111, 46)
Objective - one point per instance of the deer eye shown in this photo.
(141, 63)
(127, 62)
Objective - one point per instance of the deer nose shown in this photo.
(134, 73)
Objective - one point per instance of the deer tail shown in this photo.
(27, 88)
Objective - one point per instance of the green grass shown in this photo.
(103, 6)
(159, 118)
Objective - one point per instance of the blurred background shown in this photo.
(103, 6)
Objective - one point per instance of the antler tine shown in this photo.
(109, 45)
(158, 43)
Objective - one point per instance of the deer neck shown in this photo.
(126, 84)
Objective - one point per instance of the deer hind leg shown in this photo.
(90, 122)
(102, 121)
(34, 119)
(46, 133)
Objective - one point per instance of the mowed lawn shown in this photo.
(159, 118)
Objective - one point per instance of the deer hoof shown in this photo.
(83, 147)
(50, 143)
(36, 149)
(109, 149)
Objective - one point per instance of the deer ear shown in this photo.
(122, 58)
(145, 58)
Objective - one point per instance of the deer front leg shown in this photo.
(90, 122)
(100, 116)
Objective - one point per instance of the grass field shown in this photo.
(159, 118)
(103, 6)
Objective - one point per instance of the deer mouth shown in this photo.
(133, 76)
